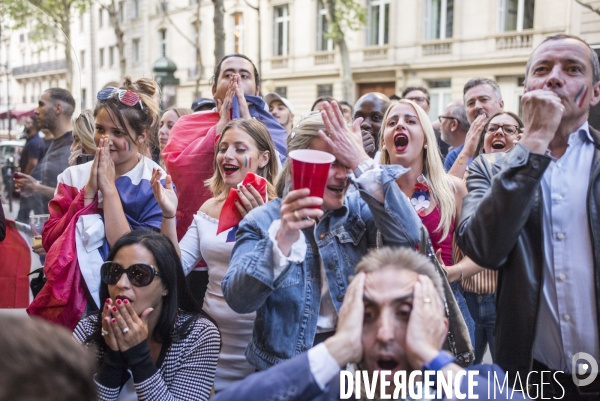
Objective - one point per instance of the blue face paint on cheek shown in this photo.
(580, 96)
(245, 161)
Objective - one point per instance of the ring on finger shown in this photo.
(125, 330)
(298, 217)
(104, 333)
(426, 300)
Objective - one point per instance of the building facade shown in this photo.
(439, 44)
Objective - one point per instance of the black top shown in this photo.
(34, 149)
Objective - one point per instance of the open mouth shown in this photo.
(498, 145)
(337, 190)
(400, 142)
(229, 169)
(387, 363)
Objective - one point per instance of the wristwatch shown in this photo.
(442, 359)
(364, 166)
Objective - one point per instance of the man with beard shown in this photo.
(371, 107)
(32, 153)
(392, 319)
(482, 99)
(533, 215)
(281, 109)
(54, 111)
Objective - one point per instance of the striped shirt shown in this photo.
(481, 283)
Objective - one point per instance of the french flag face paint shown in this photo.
(126, 145)
(580, 96)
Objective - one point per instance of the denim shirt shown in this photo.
(288, 306)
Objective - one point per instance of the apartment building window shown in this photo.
(440, 95)
(439, 19)
(516, 15)
(195, 32)
(325, 90)
(122, 12)
(135, 9)
(162, 42)
(238, 32)
(81, 22)
(24, 93)
(22, 38)
(100, 18)
(281, 30)
(281, 91)
(136, 51)
(378, 22)
(101, 58)
(83, 99)
(82, 59)
(323, 44)
(111, 56)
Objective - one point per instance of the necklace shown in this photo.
(420, 196)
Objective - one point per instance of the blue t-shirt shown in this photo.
(34, 149)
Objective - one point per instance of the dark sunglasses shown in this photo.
(139, 274)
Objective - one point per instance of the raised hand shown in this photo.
(345, 145)
(474, 134)
(244, 110)
(224, 107)
(427, 324)
(91, 188)
(165, 196)
(250, 198)
(106, 168)
(542, 114)
(298, 211)
(107, 331)
(128, 328)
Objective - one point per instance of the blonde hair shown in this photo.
(301, 137)
(441, 187)
(83, 130)
(180, 111)
(263, 140)
(400, 259)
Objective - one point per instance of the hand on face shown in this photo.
(369, 143)
(427, 325)
(106, 167)
(472, 138)
(298, 211)
(542, 114)
(224, 106)
(124, 327)
(345, 145)
(165, 196)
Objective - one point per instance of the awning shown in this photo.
(17, 114)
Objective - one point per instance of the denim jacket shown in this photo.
(288, 306)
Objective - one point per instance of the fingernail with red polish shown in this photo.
(126, 302)
(114, 320)
(119, 302)
(107, 307)
(107, 300)
(114, 308)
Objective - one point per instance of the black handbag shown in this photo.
(37, 283)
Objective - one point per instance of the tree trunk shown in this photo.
(219, 30)
(340, 41)
(199, 66)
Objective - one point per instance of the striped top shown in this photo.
(481, 283)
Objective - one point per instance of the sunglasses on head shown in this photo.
(139, 274)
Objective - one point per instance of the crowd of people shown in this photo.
(432, 242)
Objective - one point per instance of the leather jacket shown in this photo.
(501, 228)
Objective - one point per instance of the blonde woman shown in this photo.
(83, 136)
(244, 146)
(408, 139)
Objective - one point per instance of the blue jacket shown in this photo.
(288, 306)
(293, 381)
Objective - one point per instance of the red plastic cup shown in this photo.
(310, 169)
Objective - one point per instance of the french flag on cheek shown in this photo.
(75, 240)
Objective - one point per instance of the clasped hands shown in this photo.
(102, 174)
(122, 328)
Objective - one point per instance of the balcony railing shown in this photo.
(379, 53)
(40, 67)
(279, 63)
(325, 58)
(516, 40)
(437, 49)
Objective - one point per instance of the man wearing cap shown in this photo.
(281, 109)
(203, 104)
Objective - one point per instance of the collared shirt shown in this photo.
(567, 321)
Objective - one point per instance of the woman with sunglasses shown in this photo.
(151, 339)
(98, 202)
(500, 134)
(408, 139)
(245, 146)
(293, 257)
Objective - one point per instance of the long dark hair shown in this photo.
(173, 278)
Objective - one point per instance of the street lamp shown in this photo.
(164, 72)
